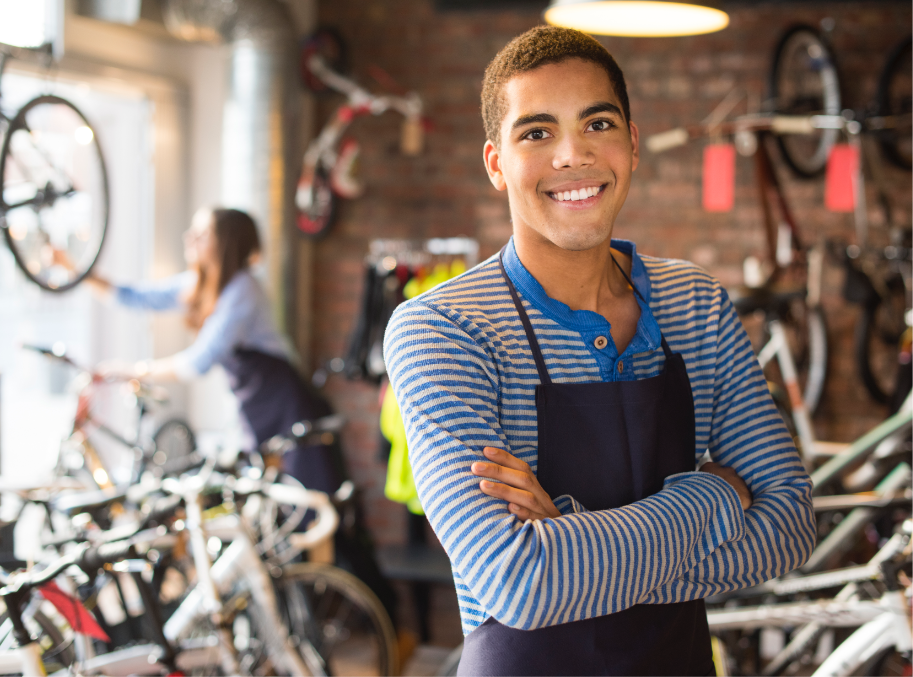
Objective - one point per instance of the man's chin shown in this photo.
(578, 242)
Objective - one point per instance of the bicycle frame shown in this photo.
(883, 623)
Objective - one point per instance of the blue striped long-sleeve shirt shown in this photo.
(464, 376)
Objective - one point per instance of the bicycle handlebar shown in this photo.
(301, 431)
(778, 124)
(84, 556)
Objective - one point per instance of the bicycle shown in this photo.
(54, 195)
(327, 171)
(170, 448)
(882, 621)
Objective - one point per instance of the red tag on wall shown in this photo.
(719, 177)
(842, 165)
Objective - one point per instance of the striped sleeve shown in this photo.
(533, 574)
(748, 434)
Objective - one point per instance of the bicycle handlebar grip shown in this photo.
(792, 124)
(411, 138)
(657, 143)
(327, 517)
(94, 558)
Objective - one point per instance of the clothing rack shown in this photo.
(386, 254)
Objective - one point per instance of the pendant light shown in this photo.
(637, 18)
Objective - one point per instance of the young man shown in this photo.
(582, 382)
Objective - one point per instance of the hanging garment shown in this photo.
(400, 485)
(607, 444)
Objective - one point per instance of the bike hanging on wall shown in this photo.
(54, 199)
(329, 161)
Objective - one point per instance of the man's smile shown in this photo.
(582, 195)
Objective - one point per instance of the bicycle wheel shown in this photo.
(889, 662)
(54, 197)
(327, 43)
(57, 652)
(878, 341)
(895, 99)
(340, 617)
(320, 207)
(803, 81)
(174, 443)
(451, 664)
(806, 333)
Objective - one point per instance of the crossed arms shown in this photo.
(690, 540)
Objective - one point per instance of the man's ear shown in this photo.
(492, 158)
(635, 145)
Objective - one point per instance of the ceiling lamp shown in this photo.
(636, 18)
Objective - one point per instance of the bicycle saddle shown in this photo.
(769, 299)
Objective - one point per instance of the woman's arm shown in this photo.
(532, 574)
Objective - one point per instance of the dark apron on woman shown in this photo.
(273, 397)
(607, 445)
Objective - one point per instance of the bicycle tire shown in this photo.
(806, 332)
(354, 634)
(328, 43)
(42, 207)
(451, 664)
(877, 342)
(804, 81)
(895, 98)
(173, 444)
(889, 662)
(57, 651)
(315, 221)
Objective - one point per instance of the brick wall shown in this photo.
(445, 192)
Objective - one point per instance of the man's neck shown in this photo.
(583, 280)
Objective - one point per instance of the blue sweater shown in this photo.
(464, 377)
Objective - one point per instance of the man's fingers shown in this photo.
(523, 499)
(525, 514)
(514, 478)
(504, 458)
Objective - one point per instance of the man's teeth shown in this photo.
(582, 194)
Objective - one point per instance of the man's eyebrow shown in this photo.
(601, 107)
(536, 117)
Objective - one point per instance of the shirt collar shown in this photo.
(648, 336)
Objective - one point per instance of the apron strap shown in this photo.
(666, 349)
(527, 325)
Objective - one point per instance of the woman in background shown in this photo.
(225, 305)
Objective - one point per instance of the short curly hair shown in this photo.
(537, 47)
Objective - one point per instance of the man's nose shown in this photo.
(572, 151)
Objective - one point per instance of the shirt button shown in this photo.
(621, 367)
(601, 342)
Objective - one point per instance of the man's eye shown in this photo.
(536, 134)
(601, 125)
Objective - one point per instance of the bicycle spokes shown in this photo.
(54, 199)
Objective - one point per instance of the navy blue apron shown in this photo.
(273, 397)
(607, 445)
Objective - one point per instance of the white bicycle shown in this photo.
(883, 637)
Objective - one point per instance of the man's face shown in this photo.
(566, 155)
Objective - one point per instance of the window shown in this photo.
(37, 401)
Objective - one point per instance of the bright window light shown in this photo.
(30, 23)
(636, 18)
(83, 135)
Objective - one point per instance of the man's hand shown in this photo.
(734, 480)
(518, 485)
